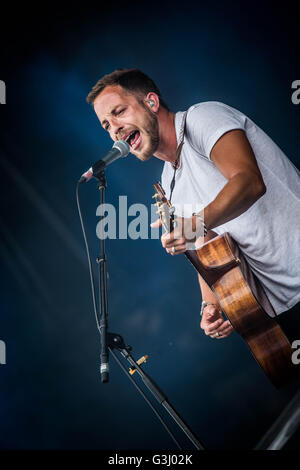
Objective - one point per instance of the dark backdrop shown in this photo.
(51, 395)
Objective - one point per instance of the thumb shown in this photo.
(156, 224)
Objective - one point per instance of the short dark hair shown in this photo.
(132, 80)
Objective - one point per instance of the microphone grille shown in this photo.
(123, 147)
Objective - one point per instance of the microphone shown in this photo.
(119, 149)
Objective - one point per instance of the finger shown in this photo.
(206, 324)
(179, 250)
(167, 239)
(172, 238)
(174, 242)
(212, 327)
(223, 326)
(211, 310)
(228, 330)
(176, 249)
(156, 223)
(223, 333)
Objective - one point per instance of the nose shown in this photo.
(116, 128)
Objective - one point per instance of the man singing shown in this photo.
(246, 184)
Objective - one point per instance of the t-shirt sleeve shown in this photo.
(208, 121)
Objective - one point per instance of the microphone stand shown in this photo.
(110, 341)
(102, 267)
(116, 341)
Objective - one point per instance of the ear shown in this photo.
(152, 100)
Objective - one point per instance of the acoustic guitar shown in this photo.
(221, 264)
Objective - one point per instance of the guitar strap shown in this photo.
(178, 152)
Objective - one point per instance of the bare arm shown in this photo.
(233, 156)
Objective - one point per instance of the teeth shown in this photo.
(136, 142)
(128, 137)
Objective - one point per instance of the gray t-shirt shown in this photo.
(268, 233)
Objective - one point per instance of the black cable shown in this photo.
(89, 258)
(98, 324)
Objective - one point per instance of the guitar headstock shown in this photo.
(165, 208)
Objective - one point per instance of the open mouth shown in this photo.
(134, 139)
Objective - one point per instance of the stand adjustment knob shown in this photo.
(139, 362)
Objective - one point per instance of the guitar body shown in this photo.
(245, 304)
(242, 299)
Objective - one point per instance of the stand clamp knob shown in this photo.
(139, 362)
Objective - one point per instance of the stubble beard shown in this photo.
(150, 129)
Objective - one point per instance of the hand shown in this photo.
(183, 236)
(212, 322)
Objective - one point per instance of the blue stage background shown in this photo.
(51, 395)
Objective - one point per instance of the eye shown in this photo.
(106, 127)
